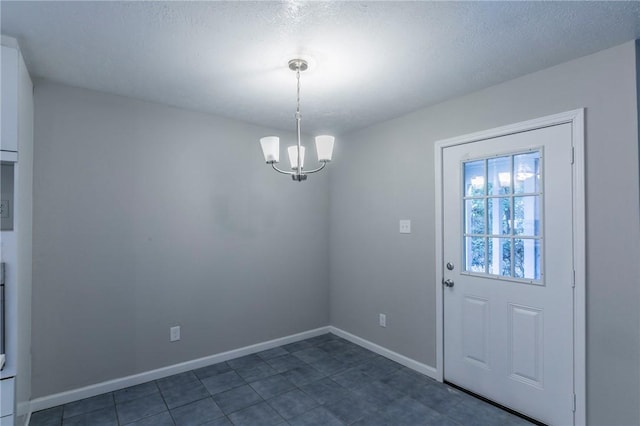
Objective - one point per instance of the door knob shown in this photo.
(448, 282)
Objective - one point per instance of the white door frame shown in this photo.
(576, 119)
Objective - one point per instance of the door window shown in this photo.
(502, 205)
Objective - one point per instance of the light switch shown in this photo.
(405, 226)
(174, 333)
(382, 320)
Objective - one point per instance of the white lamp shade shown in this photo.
(270, 148)
(293, 156)
(324, 146)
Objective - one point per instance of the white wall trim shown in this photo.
(576, 119)
(24, 409)
(387, 353)
(580, 267)
(136, 379)
(9, 156)
(9, 41)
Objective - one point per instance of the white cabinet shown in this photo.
(9, 60)
(7, 401)
(16, 153)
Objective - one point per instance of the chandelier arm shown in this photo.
(284, 172)
(308, 172)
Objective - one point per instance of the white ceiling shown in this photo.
(371, 60)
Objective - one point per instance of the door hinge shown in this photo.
(573, 278)
(573, 408)
(2, 273)
(573, 155)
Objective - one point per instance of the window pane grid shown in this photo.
(519, 194)
(517, 237)
(502, 201)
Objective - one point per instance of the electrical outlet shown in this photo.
(405, 226)
(174, 333)
(382, 320)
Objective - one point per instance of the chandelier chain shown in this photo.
(298, 118)
(298, 91)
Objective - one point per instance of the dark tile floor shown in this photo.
(324, 381)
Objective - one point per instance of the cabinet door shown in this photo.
(9, 88)
(7, 393)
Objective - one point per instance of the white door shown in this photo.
(508, 294)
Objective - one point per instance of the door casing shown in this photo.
(576, 119)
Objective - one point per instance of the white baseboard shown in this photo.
(124, 382)
(136, 379)
(425, 369)
(24, 409)
(23, 420)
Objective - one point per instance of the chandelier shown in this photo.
(271, 144)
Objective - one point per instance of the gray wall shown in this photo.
(385, 173)
(146, 216)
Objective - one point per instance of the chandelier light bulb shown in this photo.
(293, 156)
(271, 149)
(324, 147)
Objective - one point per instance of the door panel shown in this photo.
(526, 345)
(475, 332)
(508, 318)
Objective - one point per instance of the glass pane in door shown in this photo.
(502, 206)
(475, 250)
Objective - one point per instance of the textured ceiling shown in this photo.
(371, 61)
